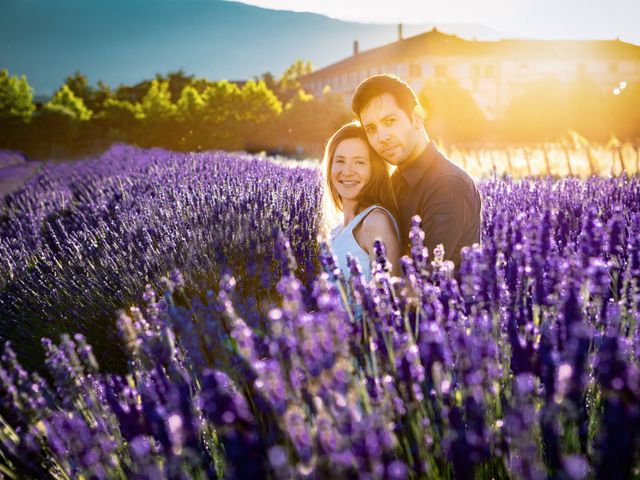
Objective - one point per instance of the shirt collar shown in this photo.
(415, 170)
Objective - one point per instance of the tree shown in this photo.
(222, 102)
(307, 122)
(64, 100)
(119, 120)
(121, 111)
(156, 104)
(177, 81)
(452, 112)
(190, 104)
(93, 98)
(259, 104)
(287, 86)
(100, 96)
(290, 80)
(271, 82)
(16, 97)
(78, 83)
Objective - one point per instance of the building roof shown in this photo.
(436, 43)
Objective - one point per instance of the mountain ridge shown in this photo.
(126, 41)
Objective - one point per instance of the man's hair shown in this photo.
(378, 85)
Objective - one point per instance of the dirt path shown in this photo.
(13, 177)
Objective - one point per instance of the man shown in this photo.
(426, 183)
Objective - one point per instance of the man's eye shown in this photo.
(389, 121)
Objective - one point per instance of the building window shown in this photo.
(363, 74)
(613, 67)
(415, 70)
(581, 69)
(475, 71)
(523, 67)
(441, 70)
(489, 71)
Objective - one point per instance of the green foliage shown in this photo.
(287, 86)
(65, 100)
(271, 82)
(78, 83)
(180, 111)
(222, 102)
(119, 120)
(177, 81)
(121, 111)
(93, 98)
(100, 96)
(156, 104)
(452, 112)
(133, 93)
(16, 97)
(259, 104)
(190, 104)
(307, 119)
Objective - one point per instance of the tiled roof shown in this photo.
(436, 43)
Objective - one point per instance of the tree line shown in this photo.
(176, 111)
(183, 112)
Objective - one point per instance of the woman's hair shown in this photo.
(378, 189)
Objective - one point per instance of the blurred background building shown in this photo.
(494, 72)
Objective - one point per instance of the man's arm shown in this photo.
(444, 216)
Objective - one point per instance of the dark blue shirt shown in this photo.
(445, 197)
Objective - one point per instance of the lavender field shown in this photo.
(172, 315)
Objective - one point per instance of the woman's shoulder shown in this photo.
(378, 219)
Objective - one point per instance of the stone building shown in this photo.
(493, 71)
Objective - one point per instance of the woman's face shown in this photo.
(351, 168)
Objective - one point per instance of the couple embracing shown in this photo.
(374, 204)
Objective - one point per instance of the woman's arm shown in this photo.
(378, 224)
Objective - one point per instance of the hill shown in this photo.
(125, 41)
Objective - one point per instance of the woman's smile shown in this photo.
(349, 183)
(350, 168)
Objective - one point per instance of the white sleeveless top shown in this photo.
(343, 242)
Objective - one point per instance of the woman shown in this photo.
(357, 185)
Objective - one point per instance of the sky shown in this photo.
(551, 19)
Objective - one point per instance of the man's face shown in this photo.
(391, 133)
